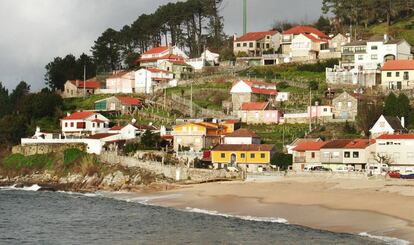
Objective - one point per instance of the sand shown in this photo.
(381, 207)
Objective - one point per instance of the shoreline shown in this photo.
(268, 201)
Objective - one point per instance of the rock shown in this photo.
(92, 181)
(107, 180)
(115, 180)
(71, 179)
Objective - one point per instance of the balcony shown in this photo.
(300, 159)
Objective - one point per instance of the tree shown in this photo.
(391, 105)
(403, 106)
(60, 70)
(150, 140)
(107, 51)
(4, 101)
(282, 160)
(323, 24)
(368, 114)
(17, 96)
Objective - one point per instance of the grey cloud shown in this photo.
(35, 31)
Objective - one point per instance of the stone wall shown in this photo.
(34, 149)
(179, 173)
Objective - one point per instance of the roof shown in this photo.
(254, 36)
(335, 144)
(98, 120)
(306, 30)
(243, 132)
(254, 106)
(155, 70)
(101, 136)
(392, 65)
(257, 87)
(145, 127)
(171, 57)
(129, 100)
(310, 146)
(313, 38)
(115, 128)
(244, 148)
(79, 115)
(89, 84)
(396, 137)
(118, 74)
(394, 122)
(156, 50)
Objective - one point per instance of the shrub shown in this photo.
(71, 155)
(35, 162)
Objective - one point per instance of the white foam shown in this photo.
(248, 217)
(388, 240)
(34, 187)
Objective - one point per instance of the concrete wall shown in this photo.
(34, 149)
(175, 172)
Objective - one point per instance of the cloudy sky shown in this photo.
(35, 31)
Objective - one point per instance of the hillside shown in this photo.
(400, 29)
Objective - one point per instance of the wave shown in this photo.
(34, 187)
(247, 217)
(388, 240)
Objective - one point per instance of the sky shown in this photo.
(36, 31)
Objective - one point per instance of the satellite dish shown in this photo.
(133, 120)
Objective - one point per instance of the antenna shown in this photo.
(84, 81)
(244, 17)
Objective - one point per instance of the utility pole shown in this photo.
(84, 81)
(244, 17)
(310, 110)
(191, 100)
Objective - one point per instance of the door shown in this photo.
(233, 159)
(399, 85)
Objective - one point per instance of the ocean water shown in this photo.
(32, 217)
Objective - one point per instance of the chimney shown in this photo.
(67, 114)
(77, 83)
(403, 122)
(235, 37)
(386, 38)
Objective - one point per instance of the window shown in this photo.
(262, 155)
(267, 37)
(355, 154)
(374, 47)
(397, 74)
(223, 155)
(360, 57)
(66, 124)
(325, 109)
(93, 125)
(244, 44)
(406, 76)
(313, 154)
(252, 155)
(238, 45)
(257, 45)
(389, 74)
(251, 45)
(347, 154)
(335, 154)
(71, 124)
(242, 155)
(267, 45)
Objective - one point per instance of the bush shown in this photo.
(35, 162)
(71, 155)
(282, 85)
(281, 160)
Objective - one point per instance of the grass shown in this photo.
(18, 161)
(71, 155)
(400, 29)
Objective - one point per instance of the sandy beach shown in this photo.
(381, 207)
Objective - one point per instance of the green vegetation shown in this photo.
(88, 103)
(71, 155)
(35, 162)
(401, 29)
(279, 134)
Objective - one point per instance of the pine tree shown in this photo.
(391, 105)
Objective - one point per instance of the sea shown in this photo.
(28, 216)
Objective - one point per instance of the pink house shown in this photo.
(258, 113)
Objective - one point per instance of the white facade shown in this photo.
(399, 149)
(207, 57)
(381, 127)
(121, 83)
(241, 140)
(166, 51)
(127, 132)
(146, 80)
(282, 96)
(93, 123)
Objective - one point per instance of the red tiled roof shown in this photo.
(309, 146)
(264, 91)
(243, 132)
(129, 100)
(396, 136)
(244, 148)
(79, 115)
(156, 50)
(392, 65)
(97, 120)
(171, 57)
(158, 70)
(101, 136)
(359, 144)
(254, 106)
(118, 127)
(90, 84)
(256, 90)
(306, 30)
(313, 38)
(254, 36)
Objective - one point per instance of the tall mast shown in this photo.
(244, 17)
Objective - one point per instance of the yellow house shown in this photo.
(196, 136)
(251, 158)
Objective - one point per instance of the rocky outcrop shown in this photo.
(112, 181)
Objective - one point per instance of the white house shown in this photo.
(84, 123)
(126, 132)
(151, 57)
(207, 58)
(256, 43)
(147, 79)
(397, 74)
(396, 150)
(388, 125)
(242, 137)
(120, 82)
(245, 91)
